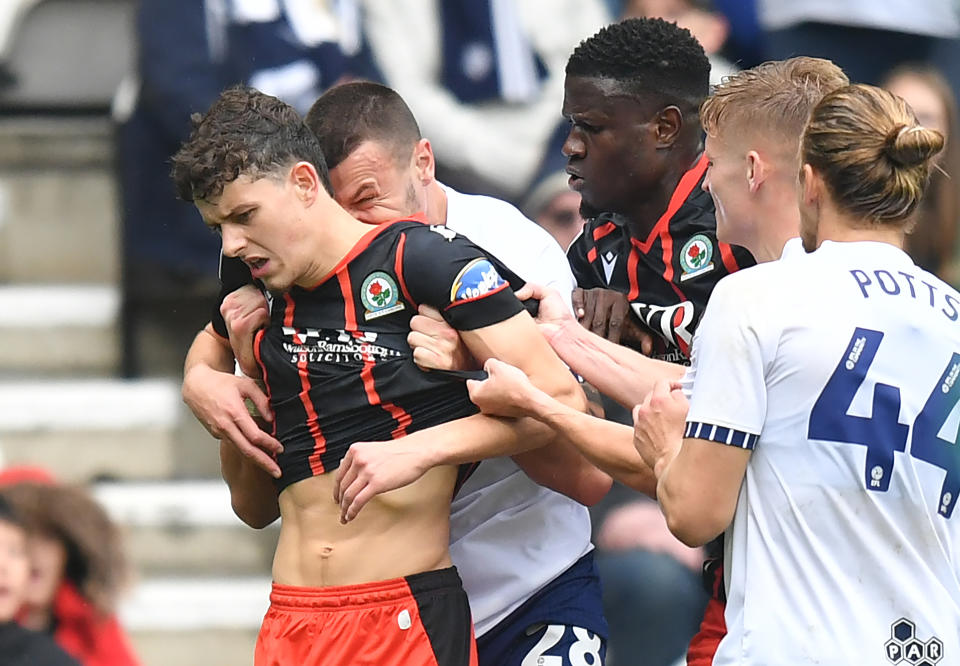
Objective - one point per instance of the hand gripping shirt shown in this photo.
(335, 358)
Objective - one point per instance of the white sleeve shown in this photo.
(553, 270)
(732, 349)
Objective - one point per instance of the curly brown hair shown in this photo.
(96, 563)
(245, 132)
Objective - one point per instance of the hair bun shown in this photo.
(908, 146)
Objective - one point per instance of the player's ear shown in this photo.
(756, 171)
(667, 125)
(810, 185)
(424, 162)
(305, 182)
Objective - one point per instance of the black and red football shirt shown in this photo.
(335, 358)
(667, 276)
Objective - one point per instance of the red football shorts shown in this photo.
(420, 620)
(713, 628)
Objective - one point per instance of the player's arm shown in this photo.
(699, 455)
(697, 481)
(253, 494)
(605, 444)
(212, 391)
(614, 370)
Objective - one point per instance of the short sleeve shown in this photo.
(450, 273)
(726, 379)
(233, 275)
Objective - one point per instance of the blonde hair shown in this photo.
(872, 154)
(774, 96)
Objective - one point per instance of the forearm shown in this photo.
(698, 494)
(617, 371)
(209, 349)
(606, 444)
(479, 437)
(253, 494)
(562, 468)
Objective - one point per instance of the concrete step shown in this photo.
(59, 329)
(196, 621)
(85, 429)
(69, 53)
(186, 527)
(58, 202)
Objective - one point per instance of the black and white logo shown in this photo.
(905, 648)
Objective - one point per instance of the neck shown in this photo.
(778, 221)
(648, 208)
(335, 234)
(436, 204)
(37, 619)
(837, 226)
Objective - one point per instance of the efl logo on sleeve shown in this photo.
(476, 279)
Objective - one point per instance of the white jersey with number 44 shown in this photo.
(841, 371)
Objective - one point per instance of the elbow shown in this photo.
(593, 487)
(694, 528)
(569, 393)
(257, 517)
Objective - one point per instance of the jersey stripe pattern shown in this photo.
(335, 357)
(667, 276)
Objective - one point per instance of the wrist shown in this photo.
(663, 462)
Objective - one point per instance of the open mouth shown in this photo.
(257, 266)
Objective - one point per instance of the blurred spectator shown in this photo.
(933, 242)
(188, 52)
(866, 38)
(653, 595)
(77, 568)
(556, 208)
(19, 646)
(484, 79)
(709, 27)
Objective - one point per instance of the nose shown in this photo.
(233, 239)
(573, 145)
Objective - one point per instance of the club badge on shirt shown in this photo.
(379, 296)
(474, 280)
(695, 257)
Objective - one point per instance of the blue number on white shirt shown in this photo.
(928, 446)
(881, 433)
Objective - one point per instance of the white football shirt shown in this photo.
(510, 536)
(839, 369)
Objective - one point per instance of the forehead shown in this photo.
(598, 95)
(11, 532)
(241, 191)
(371, 162)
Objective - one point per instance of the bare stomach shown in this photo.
(399, 533)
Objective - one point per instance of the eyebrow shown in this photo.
(367, 187)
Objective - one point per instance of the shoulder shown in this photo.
(476, 214)
(499, 227)
(755, 287)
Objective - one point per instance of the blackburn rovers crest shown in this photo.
(379, 296)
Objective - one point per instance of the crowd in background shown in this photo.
(484, 79)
